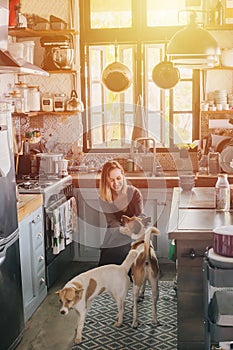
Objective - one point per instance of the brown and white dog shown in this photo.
(79, 292)
(145, 268)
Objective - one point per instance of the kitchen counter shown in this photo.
(169, 180)
(192, 220)
(27, 204)
(91, 180)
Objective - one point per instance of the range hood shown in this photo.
(10, 64)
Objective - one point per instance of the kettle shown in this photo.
(74, 103)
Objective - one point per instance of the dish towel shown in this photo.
(140, 127)
(58, 241)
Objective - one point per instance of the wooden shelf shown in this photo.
(28, 32)
(230, 111)
(36, 114)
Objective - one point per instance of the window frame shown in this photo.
(139, 34)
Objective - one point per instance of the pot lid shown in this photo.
(224, 230)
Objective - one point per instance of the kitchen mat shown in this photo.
(99, 332)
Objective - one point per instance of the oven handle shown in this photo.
(54, 206)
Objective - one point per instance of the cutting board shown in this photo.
(198, 198)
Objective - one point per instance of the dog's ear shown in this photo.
(125, 219)
(137, 226)
(146, 220)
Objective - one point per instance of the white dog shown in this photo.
(79, 292)
(145, 268)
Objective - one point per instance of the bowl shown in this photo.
(63, 57)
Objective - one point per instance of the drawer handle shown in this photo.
(41, 258)
(192, 254)
(42, 281)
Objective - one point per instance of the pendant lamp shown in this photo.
(193, 47)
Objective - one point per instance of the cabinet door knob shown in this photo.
(42, 280)
(192, 254)
(39, 235)
(41, 258)
(37, 219)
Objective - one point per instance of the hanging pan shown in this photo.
(116, 77)
(165, 75)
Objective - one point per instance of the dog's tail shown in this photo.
(129, 260)
(149, 231)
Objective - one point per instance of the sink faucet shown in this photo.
(144, 141)
(147, 161)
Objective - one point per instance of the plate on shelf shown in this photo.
(226, 158)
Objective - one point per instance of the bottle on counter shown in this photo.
(222, 189)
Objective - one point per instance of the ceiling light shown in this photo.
(193, 47)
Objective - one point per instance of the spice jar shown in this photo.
(47, 102)
(34, 98)
(59, 102)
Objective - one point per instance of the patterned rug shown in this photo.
(99, 332)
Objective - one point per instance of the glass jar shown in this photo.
(59, 102)
(222, 190)
(23, 89)
(34, 98)
(47, 102)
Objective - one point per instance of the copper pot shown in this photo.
(116, 77)
(165, 75)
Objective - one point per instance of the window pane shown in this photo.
(172, 12)
(111, 14)
(182, 128)
(183, 96)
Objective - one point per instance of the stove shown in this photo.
(56, 192)
(52, 188)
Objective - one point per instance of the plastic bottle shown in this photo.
(222, 189)
(219, 13)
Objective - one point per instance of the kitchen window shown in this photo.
(171, 115)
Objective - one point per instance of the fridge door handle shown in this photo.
(4, 247)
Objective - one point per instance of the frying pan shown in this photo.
(116, 77)
(165, 75)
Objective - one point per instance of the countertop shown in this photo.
(140, 180)
(27, 204)
(194, 212)
(91, 180)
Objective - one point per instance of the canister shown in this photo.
(34, 98)
(23, 89)
(47, 102)
(59, 102)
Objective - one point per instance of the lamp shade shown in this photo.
(193, 47)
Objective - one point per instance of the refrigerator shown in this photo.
(11, 301)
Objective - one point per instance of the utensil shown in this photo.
(116, 77)
(165, 75)
(74, 103)
(48, 162)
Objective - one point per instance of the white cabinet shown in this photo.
(92, 223)
(32, 259)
